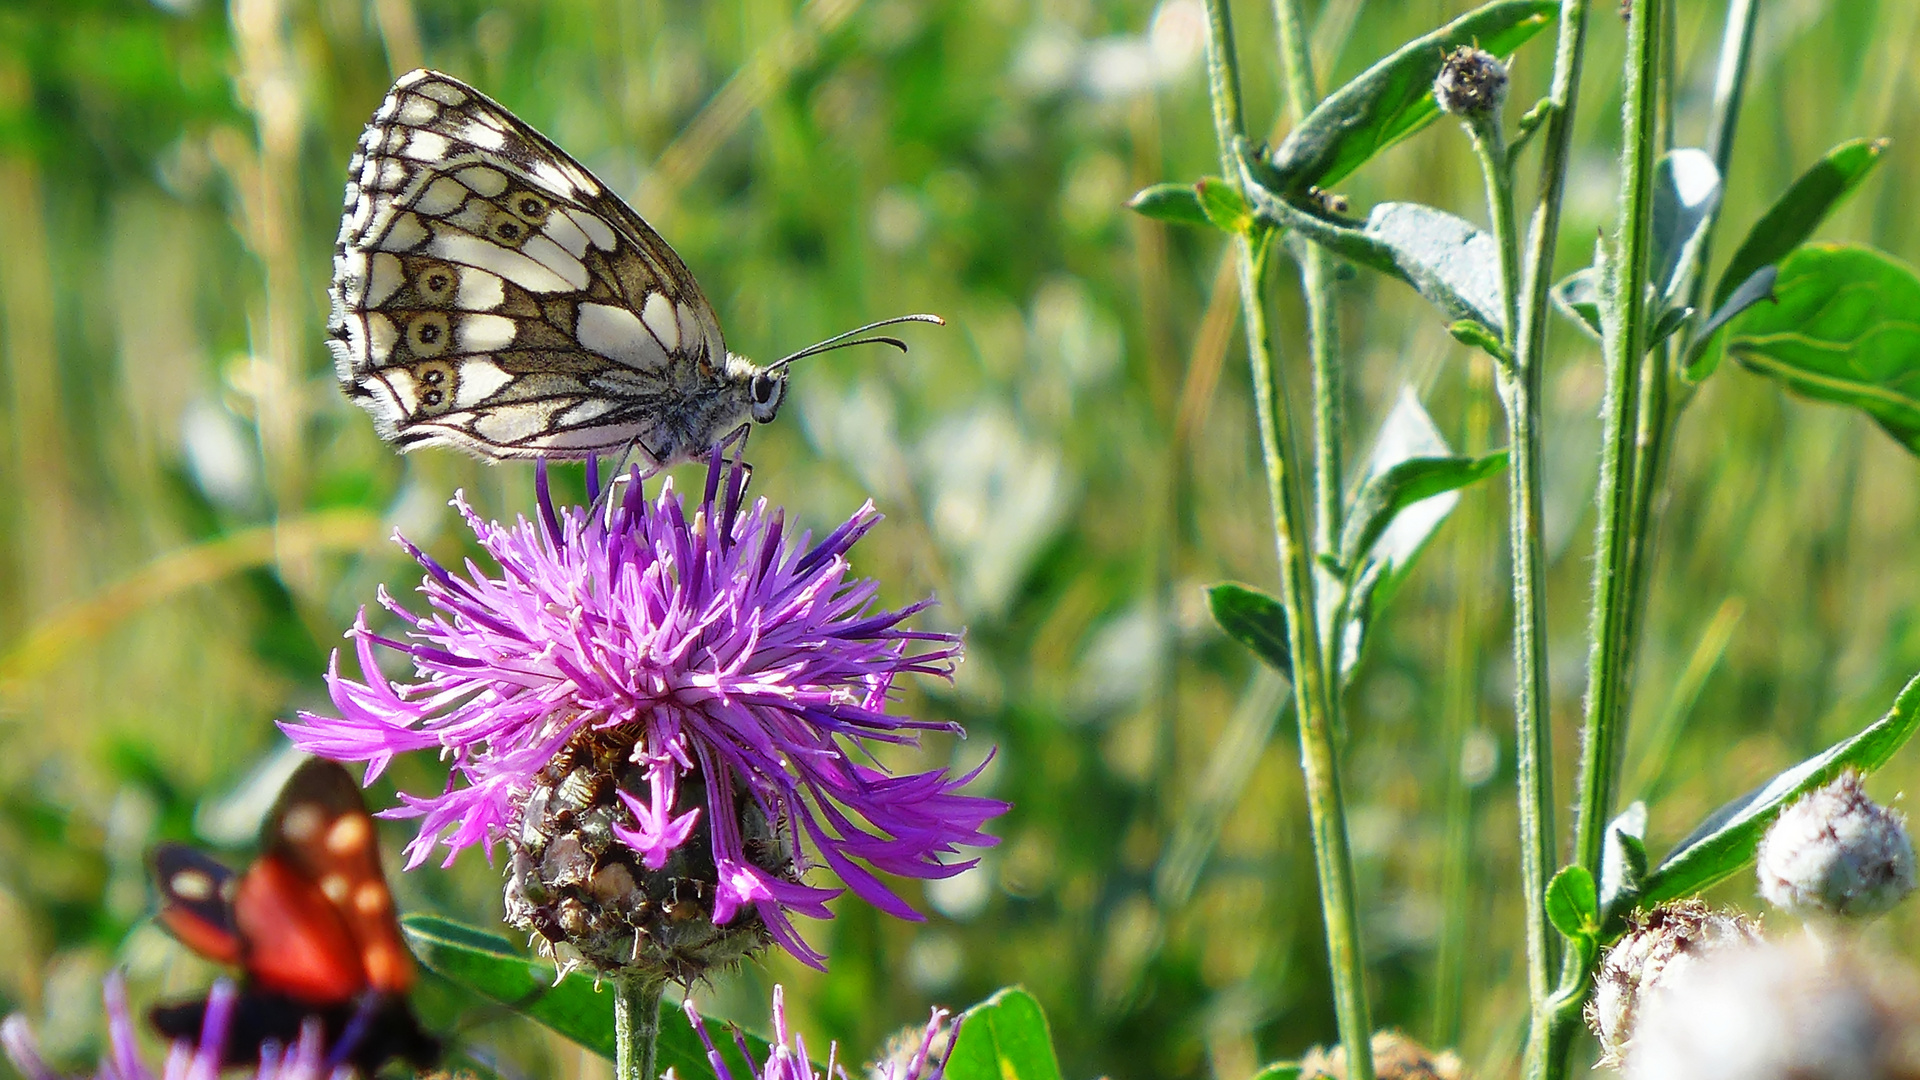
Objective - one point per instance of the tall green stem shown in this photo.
(1661, 401)
(1323, 328)
(1519, 386)
(1625, 343)
(636, 1026)
(1313, 699)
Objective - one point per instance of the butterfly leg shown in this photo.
(737, 442)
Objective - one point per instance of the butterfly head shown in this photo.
(766, 389)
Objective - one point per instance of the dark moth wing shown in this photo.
(490, 293)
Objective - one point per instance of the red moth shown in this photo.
(311, 924)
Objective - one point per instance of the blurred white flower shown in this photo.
(1777, 1012)
(1662, 944)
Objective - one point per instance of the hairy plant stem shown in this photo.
(636, 1026)
(1313, 697)
(1662, 401)
(1323, 328)
(1519, 385)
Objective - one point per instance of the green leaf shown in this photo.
(1177, 203)
(1686, 192)
(1445, 258)
(488, 965)
(1573, 906)
(1623, 863)
(1843, 329)
(1578, 297)
(1385, 495)
(1255, 620)
(1726, 840)
(1004, 1038)
(1394, 98)
(1222, 204)
(1704, 356)
(1670, 320)
(1279, 1070)
(1795, 215)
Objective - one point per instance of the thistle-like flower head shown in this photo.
(670, 711)
(1836, 852)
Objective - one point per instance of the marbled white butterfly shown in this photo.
(490, 293)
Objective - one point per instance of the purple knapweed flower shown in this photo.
(304, 1060)
(787, 1055)
(719, 675)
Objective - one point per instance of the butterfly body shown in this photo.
(490, 293)
(310, 923)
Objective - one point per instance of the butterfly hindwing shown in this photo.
(490, 293)
(322, 835)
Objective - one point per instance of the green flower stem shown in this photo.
(1520, 390)
(1323, 327)
(1661, 400)
(636, 1026)
(1313, 699)
(1517, 396)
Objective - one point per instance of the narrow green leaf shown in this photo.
(1394, 98)
(1255, 620)
(1176, 203)
(1623, 864)
(1578, 297)
(1799, 211)
(1843, 329)
(1726, 840)
(1686, 192)
(1222, 204)
(1004, 1038)
(1279, 1070)
(488, 965)
(1572, 903)
(1670, 320)
(1384, 496)
(1704, 356)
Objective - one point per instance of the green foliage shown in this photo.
(1725, 842)
(1394, 98)
(1386, 494)
(1004, 1038)
(1797, 212)
(1175, 203)
(1223, 205)
(1840, 329)
(1255, 620)
(487, 965)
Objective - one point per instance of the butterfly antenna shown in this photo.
(846, 340)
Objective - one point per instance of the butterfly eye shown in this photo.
(766, 390)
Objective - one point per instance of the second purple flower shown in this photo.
(667, 717)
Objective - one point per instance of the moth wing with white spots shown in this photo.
(490, 293)
(196, 901)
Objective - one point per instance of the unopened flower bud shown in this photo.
(1395, 1057)
(1472, 83)
(1798, 1011)
(1662, 944)
(1837, 852)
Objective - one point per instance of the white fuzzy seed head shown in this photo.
(1662, 944)
(1778, 1012)
(1472, 83)
(1836, 852)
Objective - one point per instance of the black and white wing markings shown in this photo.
(490, 293)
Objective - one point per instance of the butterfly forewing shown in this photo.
(321, 832)
(491, 294)
(196, 901)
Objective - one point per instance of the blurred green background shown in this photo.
(192, 513)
